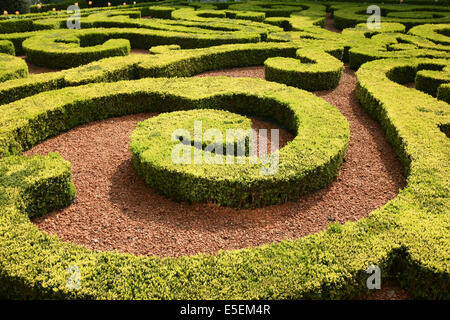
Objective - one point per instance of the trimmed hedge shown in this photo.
(12, 67)
(308, 163)
(312, 70)
(443, 92)
(62, 50)
(349, 15)
(246, 15)
(164, 49)
(181, 63)
(395, 45)
(438, 33)
(23, 6)
(63, 46)
(407, 238)
(385, 27)
(412, 122)
(7, 47)
(429, 81)
(160, 12)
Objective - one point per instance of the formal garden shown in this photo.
(224, 149)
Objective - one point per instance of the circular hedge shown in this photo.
(307, 163)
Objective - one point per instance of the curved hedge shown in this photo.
(407, 234)
(438, 33)
(308, 163)
(12, 67)
(349, 15)
(62, 50)
(429, 81)
(312, 70)
(407, 238)
(181, 63)
(443, 93)
(395, 45)
(7, 47)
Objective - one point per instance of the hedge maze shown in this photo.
(97, 78)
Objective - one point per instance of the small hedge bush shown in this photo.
(443, 92)
(349, 15)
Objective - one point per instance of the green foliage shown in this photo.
(349, 15)
(438, 33)
(413, 123)
(62, 50)
(164, 49)
(12, 67)
(312, 70)
(407, 238)
(160, 12)
(309, 162)
(443, 92)
(181, 63)
(429, 81)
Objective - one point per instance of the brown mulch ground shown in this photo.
(115, 210)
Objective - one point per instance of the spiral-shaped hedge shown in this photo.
(409, 233)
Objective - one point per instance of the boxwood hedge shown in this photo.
(309, 162)
(312, 70)
(349, 15)
(407, 238)
(7, 47)
(12, 67)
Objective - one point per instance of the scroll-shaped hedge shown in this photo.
(312, 70)
(175, 63)
(308, 163)
(12, 67)
(349, 15)
(407, 238)
(70, 48)
(429, 81)
(395, 45)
